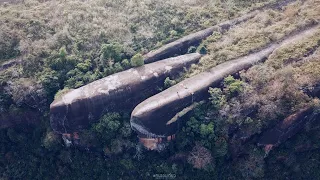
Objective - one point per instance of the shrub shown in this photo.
(108, 126)
(217, 98)
(168, 82)
(50, 82)
(192, 49)
(118, 67)
(61, 93)
(232, 86)
(63, 52)
(202, 49)
(137, 60)
(111, 51)
(84, 67)
(125, 64)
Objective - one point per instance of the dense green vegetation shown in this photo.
(68, 44)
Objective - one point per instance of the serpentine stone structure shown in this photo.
(78, 108)
(155, 118)
(181, 45)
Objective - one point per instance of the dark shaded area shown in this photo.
(26, 117)
(313, 91)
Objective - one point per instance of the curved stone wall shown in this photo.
(155, 117)
(121, 91)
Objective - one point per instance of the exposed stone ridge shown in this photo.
(78, 108)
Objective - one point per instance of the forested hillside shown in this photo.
(50, 47)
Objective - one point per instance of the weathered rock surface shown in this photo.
(121, 91)
(156, 116)
(292, 124)
(288, 127)
(181, 45)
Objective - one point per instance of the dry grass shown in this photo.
(40, 24)
(269, 26)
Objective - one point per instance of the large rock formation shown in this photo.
(181, 45)
(157, 116)
(121, 91)
(293, 124)
(287, 128)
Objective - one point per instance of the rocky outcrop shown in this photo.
(181, 45)
(292, 124)
(288, 127)
(121, 91)
(156, 116)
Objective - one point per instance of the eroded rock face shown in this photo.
(156, 116)
(288, 127)
(121, 91)
(292, 124)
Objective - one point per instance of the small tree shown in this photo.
(108, 126)
(137, 60)
(233, 86)
(111, 51)
(199, 157)
(217, 98)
